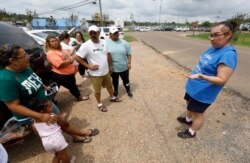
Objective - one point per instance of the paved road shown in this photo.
(185, 51)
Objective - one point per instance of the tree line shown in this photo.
(12, 17)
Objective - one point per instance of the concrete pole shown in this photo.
(100, 5)
(160, 13)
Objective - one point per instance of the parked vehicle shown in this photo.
(14, 35)
(104, 32)
(40, 35)
(245, 26)
(168, 28)
(145, 29)
(181, 29)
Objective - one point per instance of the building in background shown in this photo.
(119, 23)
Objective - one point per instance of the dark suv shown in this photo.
(10, 34)
(13, 35)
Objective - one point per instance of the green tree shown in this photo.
(51, 23)
(71, 21)
(206, 24)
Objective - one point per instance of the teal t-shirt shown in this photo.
(119, 50)
(25, 86)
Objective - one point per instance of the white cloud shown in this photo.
(142, 10)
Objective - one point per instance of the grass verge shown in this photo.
(239, 39)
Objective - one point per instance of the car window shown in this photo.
(53, 33)
(13, 35)
(41, 34)
(106, 30)
(119, 29)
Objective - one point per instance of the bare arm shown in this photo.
(223, 74)
(82, 62)
(16, 107)
(72, 51)
(110, 62)
(129, 61)
(66, 62)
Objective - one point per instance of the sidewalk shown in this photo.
(143, 129)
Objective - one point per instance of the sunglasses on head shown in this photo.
(10, 48)
(10, 51)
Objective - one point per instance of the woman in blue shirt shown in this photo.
(215, 67)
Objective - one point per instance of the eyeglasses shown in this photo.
(217, 35)
(12, 52)
(10, 48)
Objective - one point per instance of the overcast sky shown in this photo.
(140, 10)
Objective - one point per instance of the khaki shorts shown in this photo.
(101, 81)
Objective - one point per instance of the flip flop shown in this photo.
(85, 139)
(94, 132)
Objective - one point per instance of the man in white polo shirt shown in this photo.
(99, 61)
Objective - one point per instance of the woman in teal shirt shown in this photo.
(22, 90)
(121, 60)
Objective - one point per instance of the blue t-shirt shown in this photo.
(119, 51)
(202, 90)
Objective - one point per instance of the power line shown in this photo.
(79, 5)
(69, 7)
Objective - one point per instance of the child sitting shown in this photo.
(51, 134)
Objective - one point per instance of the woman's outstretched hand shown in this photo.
(193, 76)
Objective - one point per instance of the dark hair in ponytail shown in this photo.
(63, 36)
(232, 25)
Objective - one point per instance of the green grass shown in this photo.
(128, 38)
(239, 39)
(86, 36)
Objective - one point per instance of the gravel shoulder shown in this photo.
(143, 129)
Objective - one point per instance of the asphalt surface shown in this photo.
(185, 51)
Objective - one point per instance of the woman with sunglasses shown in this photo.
(215, 67)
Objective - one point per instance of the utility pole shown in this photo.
(100, 5)
(160, 13)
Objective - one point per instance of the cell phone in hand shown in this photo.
(51, 91)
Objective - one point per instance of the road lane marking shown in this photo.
(176, 51)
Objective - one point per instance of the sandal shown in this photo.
(94, 132)
(102, 108)
(82, 98)
(115, 100)
(85, 139)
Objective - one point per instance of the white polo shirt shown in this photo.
(96, 54)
